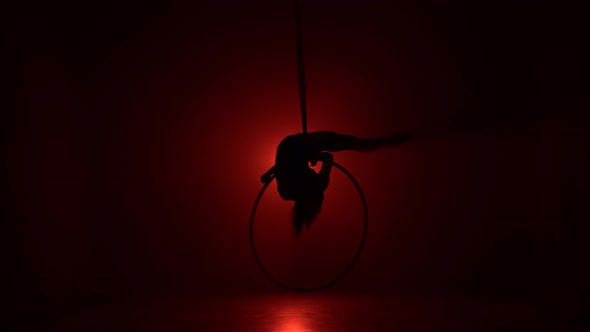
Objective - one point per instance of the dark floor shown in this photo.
(309, 313)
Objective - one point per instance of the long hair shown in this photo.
(305, 211)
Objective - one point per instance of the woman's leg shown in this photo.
(333, 142)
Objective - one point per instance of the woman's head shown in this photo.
(306, 209)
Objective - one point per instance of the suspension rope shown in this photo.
(300, 68)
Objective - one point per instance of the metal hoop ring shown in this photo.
(341, 274)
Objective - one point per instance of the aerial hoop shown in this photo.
(341, 274)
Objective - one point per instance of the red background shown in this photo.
(136, 134)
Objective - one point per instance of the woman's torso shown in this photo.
(291, 167)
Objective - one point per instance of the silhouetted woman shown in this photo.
(298, 182)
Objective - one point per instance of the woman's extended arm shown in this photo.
(324, 175)
(267, 177)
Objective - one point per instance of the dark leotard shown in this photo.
(294, 176)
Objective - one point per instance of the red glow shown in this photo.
(296, 315)
(137, 134)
